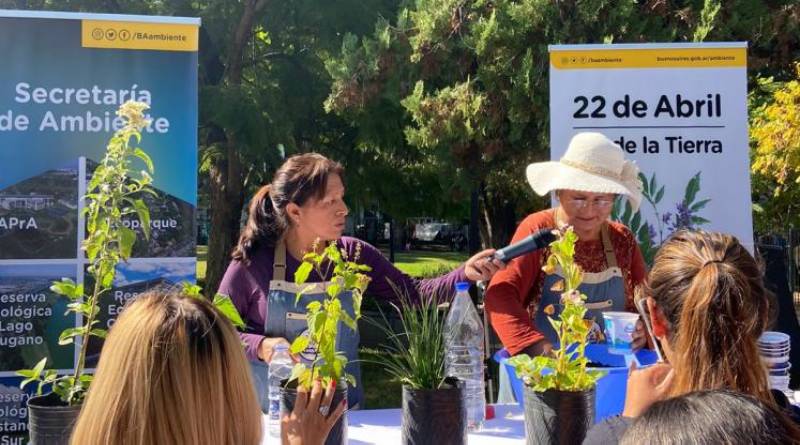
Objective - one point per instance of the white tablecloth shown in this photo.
(382, 426)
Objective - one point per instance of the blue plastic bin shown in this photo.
(610, 391)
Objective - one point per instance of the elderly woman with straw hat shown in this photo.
(586, 181)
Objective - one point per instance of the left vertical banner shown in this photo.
(63, 77)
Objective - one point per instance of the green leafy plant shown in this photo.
(222, 302)
(323, 317)
(650, 236)
(775, 152)
(113, 194)
(566, 369)
(416, 354)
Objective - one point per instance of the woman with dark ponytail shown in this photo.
(708, 307)
(301, 208)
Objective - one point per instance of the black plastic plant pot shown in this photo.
(433, 416)
(50, 420)
(338, 434)
(558, 417)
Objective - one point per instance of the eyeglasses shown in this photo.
(582, 203)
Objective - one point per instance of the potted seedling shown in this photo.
(326, 317)
(432, 403)
(113, 195)
(559, 394)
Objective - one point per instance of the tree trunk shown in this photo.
(227, 174)
(474, 237)
(227, 197)
(498, 222)
(399, 232)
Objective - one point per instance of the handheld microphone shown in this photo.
(538, 240)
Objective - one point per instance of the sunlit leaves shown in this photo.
(111, 196)
(566, 369)
(326, 314)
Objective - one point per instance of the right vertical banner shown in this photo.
(680, 112)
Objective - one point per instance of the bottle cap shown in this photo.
(489, 412)
(462, 286)
(281, 347)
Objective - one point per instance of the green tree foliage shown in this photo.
(467, 81)
(775, 135)
(262, 84)
(426, 99)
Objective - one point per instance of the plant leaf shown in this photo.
(636, 222)
(144, 216)
(699, 205)
(643, 235)
(659, 195)
(302, 272)
(626, 216)
(299, 344)
(127, 237)
(67, 335)
(139, 153)
(645, 184)
(191, 289)
(692, 187)
(347, 320)
(298, 370)
(228, 309)
(101, 333)
(67, 288)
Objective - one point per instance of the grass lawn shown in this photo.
(202, 256)
(417, 263)
(425, 263)
(380, 390)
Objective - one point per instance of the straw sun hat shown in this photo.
(592, 163)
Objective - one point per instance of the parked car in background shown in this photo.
(451, 235)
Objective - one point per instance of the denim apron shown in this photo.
(605, 291)
(287, 320)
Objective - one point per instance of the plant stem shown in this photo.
(85, 336)
(658, 219)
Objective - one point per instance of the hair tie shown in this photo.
(712, 262)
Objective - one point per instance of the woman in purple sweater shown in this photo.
(304, 204)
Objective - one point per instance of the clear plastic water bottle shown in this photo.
(280, 367)
(463, 334)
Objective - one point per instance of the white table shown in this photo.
(382, 426)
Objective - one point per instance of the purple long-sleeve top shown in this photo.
(248, 284)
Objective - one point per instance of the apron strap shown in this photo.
(279, 261)
(608, 248)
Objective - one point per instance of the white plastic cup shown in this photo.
(620, 327)
(769, 338)
(779, 383)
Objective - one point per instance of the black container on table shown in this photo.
(338, 434)
(558, 417)
(434, 415)
(50, 420)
